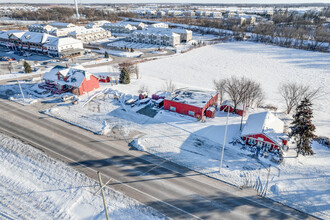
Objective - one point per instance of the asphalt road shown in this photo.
(173, 190)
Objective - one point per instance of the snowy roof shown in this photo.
(55, 41)
(133, 23)
(264, 123)
(125, 25)
(8, 34)
(191, 97)
(83, 30)
(34, 37)
(74, 75)
(61, 25)
(231, 104)
(51, 75)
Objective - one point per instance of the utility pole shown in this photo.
(242, 117)
(104, 204)
(224, 139)
(20, 88)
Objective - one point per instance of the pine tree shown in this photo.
(106, 54)
(124, 76)
(27, 67)
(302, 129)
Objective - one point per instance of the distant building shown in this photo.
(161, 14)
(91, 34)
(264, 130)
(189, 13)
(75, 79)
(41, 43)
(119, 27)
(41, 28)
(216, 14)
(194, 103)
(155, 36)
(174, 13)
(137, 25)
(61, 25)
(159, 25)
(96, 24)
(161, 36)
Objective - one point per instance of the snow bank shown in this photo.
(38, 187)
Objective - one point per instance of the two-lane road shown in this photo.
(173, 190)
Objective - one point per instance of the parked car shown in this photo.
(67, 97)
(7, 59)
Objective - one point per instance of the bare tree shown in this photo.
(219, 86)
(137, 72)
(293, 93)
(143, 89)
(243, 91)
(169, 86)
(130, 67)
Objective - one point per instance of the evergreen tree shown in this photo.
(27, 67)
(124, 76)
(106, 55)
(302, 129)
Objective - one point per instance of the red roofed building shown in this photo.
(264, 130)
(190, 102)
(75, 79)
(229, 105)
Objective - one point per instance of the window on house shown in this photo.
(191, 113)
(252, 141)
(172, 108)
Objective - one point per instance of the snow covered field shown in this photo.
(269, 65)
(34, 186)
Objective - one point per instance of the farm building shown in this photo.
(229, 105)
(75, 79)
(264, 130)
(103, 77)
(194, 103)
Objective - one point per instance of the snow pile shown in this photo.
(98, 61)
(34, 186)
(120, 53)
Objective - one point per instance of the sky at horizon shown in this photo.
(172, 1)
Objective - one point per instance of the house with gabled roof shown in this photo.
(74, 79)
(264, 130)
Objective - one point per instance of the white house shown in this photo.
(96, 24)
(41, 28)
(119, 27)
(90, 34)
(160, 36)
(159, 25)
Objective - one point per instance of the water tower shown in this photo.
(76, 6)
